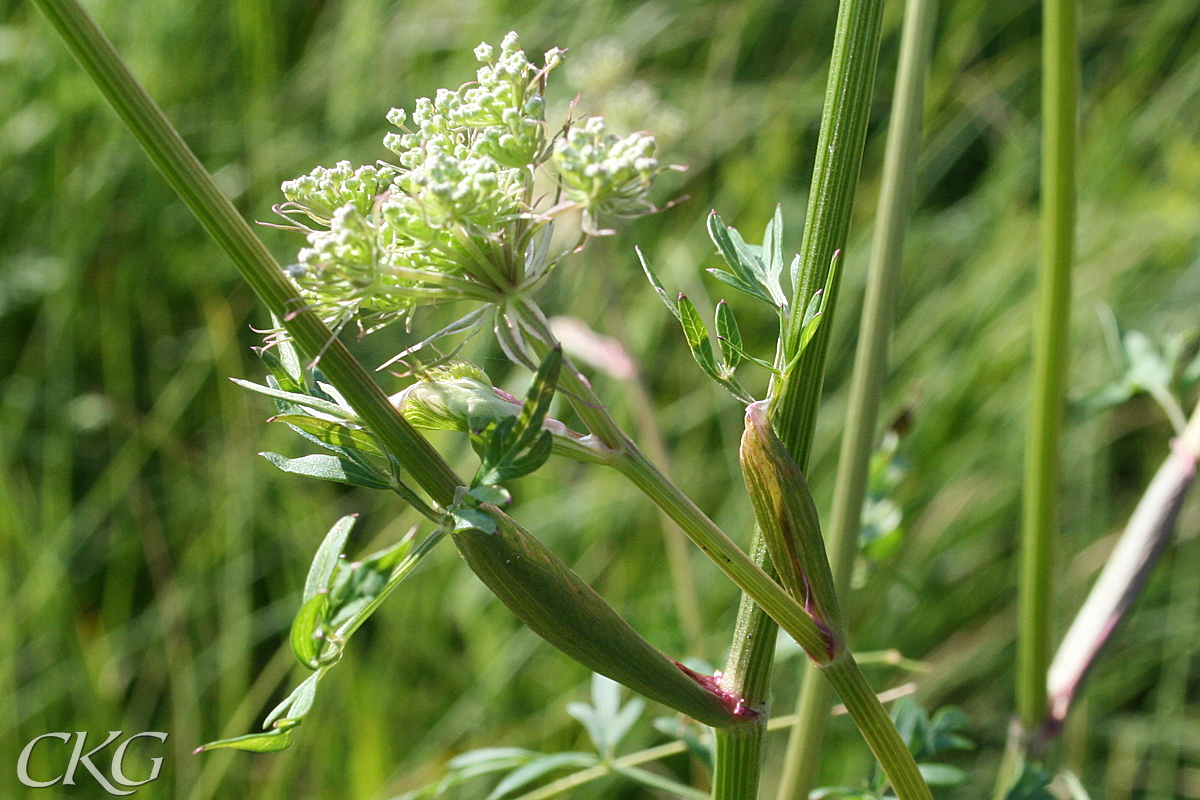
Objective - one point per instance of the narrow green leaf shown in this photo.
(306, 633)
(773, 246)
(749, 274)
(332, 433)
(697, 337)
(813, 322)
(657, 284)
(537, 401)
(750, 255)
(278, 370)
(296, 704)
(289, 356)
(271, 741)
(729, 336)
(324, 563)
(330, 468)
(531, 461)
(307, 401)
(813, 309)
(277, 727)
(730, 279)
(831, 277)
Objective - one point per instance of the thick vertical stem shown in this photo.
(794, 406)
(739, 753)
(1040, 499)
(870, 370)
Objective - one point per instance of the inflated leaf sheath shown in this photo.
(788, 519)
(561, 608)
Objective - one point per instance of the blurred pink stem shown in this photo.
(1125, 572)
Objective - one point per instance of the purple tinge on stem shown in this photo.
(713, 684)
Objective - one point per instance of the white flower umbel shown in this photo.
(457, 218)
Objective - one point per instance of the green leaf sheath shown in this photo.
(787, 517)
(561, 608)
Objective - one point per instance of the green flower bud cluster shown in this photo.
(351, 244)
(323, 191)
(457, 217)
(605, 173)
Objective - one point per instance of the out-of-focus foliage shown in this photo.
(153, 562)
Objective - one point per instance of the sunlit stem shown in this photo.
(870, 371)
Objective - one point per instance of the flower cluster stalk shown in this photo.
(870, 370)
(186, 175)
(1041, 484)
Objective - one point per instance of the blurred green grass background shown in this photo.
(152, 561)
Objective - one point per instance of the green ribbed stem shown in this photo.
(795, 399)
(876, 727)
(737, 766)
(870, 371)
(737, 761)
